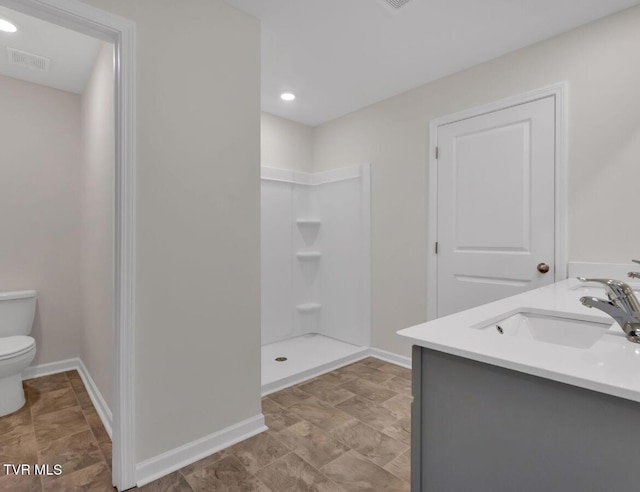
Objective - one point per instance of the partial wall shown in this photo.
(197, 220)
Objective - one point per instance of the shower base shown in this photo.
(307, 356)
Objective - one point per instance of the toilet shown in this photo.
(17, 349)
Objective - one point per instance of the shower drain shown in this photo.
(280, 359)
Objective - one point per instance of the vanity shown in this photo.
(531, 393)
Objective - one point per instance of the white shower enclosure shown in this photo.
(316, 308)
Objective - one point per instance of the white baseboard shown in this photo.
(50, 368)
(76, 363)
(96, 398)
(165, 463)
(396, 359)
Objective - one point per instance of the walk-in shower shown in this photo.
(315, 272)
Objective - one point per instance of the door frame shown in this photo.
(121, 32)
(559, 92)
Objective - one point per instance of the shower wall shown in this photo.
(316, 254)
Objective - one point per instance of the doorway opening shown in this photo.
(120, 33)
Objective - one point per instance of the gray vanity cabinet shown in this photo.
(481, 428)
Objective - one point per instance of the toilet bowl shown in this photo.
(17, 349)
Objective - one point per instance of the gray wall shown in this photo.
(285, 144)
(97, 216)
(198, 219)
(40, 182)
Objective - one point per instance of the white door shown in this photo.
(496, 205)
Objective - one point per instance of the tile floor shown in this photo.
(58, 425)
(347, 431)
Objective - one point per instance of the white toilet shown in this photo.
(17, 350)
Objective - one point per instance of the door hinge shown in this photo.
(436, 247)
(437, 152)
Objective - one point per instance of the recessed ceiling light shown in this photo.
(287, 96)
(7, 26)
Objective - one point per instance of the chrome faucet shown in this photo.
(622, 305)
(634, 274)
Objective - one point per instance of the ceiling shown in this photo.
(72, 54)
(338, 56)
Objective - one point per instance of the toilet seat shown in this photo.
(15, 346)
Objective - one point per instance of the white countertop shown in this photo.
(611, 365)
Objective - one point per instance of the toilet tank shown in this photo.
(17, 310)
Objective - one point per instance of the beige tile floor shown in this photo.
(347, 430)
(57, 425)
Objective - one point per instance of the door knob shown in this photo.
(543, 267)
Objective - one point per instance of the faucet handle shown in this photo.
(633, 274)
(616, 289)
(606, 281)
(636, 261)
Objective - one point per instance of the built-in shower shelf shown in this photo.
(309, 307)
(309, 255)
(309, 222)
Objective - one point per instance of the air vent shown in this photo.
(28, 60)
(396, 4)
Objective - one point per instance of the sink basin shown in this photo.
(569, 330)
